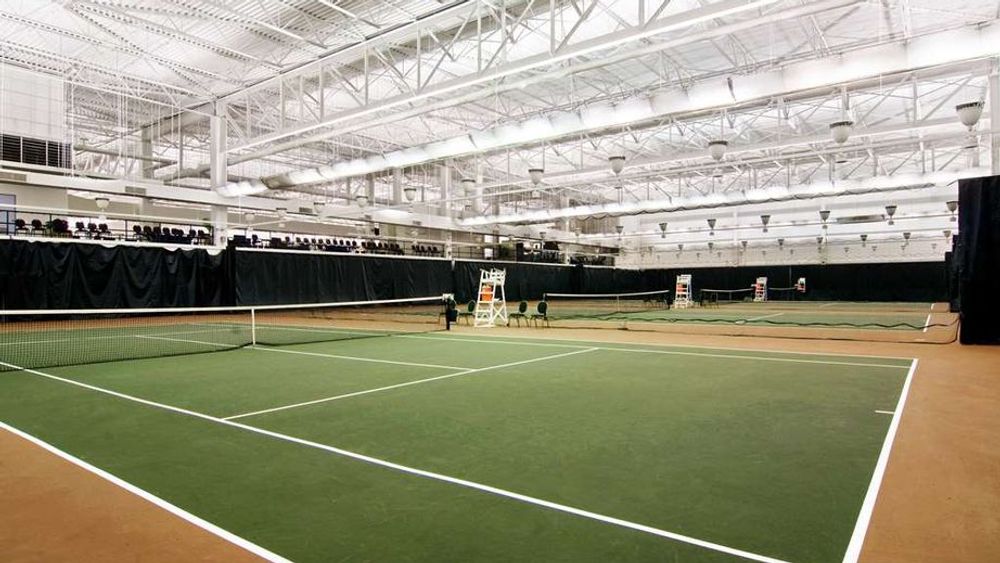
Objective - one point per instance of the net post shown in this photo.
(253, 327)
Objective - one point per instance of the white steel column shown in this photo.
(994, 89)
(220, 220)
(218, 167)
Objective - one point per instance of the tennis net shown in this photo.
(34, 339)
(724, 296)
(566, 305)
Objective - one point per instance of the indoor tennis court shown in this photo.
(411, 432)
(490, 281)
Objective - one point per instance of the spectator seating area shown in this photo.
(335, 245)
(81, 230)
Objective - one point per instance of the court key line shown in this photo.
(337, 356)
(465, 371)
(418, 472)
(669, 352)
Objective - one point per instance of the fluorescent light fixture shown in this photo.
(799, 192)
(237, 189)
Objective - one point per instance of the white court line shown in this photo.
(104, 337)
(762, 317)
(336, 356)
(356, 358)
(419, 472)
(534, 341)
(885, 412)
(927, 323)
(317, 329)
(215, 344)
(868, 506)
(150, 497)
(826, 305)
(466, 371)
(679, 353)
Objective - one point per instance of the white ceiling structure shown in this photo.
(325, 100)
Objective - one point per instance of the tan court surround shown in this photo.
(939, 501)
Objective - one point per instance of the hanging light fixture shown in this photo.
(410, 193)
(318, 207)
(906, 238)
(969, 113)
(717, 149)
(535, 174)
(840, 131)
(952, 207)
(947, 234)
(890, 210)
(864, 240)
(743, 243)
(680, 246)
(281, 211)
(102, 203)
(663, 230)
(469, 186)
(781, 243)
(711, 245)
(617, 164)
(711, 227)
(824, 214)
(765, 219)
(361, 200)
(619, 229)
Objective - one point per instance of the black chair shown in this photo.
(20, 226)
(103, 232)
(136, 232)
(541, 313)
(60, 227)
(469, 312)
(36, 227)
(521, 313)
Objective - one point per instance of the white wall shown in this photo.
(32, 105)
(36, 196)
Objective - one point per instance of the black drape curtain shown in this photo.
(75, 275)
(978, 257)
(42, 275)
(265, 278)
(524, 281)
(907, 281)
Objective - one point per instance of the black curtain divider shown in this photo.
(906, 281)
(978, 257)
(77, 275)
(266, 278)
(524, 281)
(46, 275)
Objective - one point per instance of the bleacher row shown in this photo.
(101, 231)
(336, 245)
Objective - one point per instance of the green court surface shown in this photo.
(459, 447)
(891, 316)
